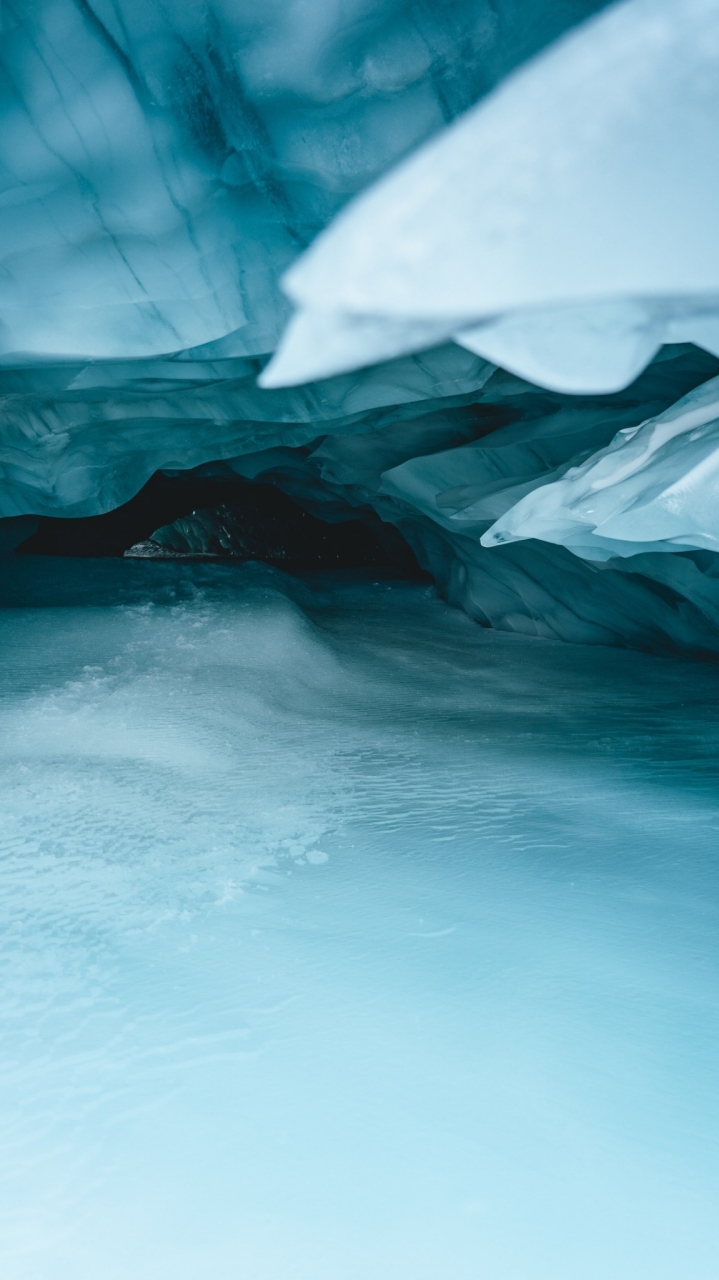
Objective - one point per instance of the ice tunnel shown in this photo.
(359, 625)
(509, 305)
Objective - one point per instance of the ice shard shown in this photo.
(654, 488)
(564, 228)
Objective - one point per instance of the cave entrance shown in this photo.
(201, 517)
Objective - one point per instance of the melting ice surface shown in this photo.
(344, 938)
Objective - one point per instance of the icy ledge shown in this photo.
(654, 488)
(564, 228)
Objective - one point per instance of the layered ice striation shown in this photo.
(485, 514)
(653, 488)
(507, 347)
(163, 162)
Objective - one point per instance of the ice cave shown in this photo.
(359, 636)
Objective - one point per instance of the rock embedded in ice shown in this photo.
(14, 530)
(263, 524)
(564, 228)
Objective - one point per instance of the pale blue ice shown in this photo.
(453, 265)
(343, 938)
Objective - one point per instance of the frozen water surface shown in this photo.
(342, 938)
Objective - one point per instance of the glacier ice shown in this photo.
(476, 462)
(654, 488)
(82, 438)
(564, 228)
(471, 1032)
(161, 164)
(510, 215)
(340, 936)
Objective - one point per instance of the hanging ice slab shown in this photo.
(564, 228)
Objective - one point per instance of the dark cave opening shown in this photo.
(265, 524)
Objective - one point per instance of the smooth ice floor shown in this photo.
(343, 940)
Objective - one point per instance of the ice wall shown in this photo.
(162, 162)
(518, 458)
(466, 352)
(160, 165)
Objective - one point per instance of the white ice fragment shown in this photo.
(565, 227)
(655, 487)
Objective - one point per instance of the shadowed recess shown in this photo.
(203, 517)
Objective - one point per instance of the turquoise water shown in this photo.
(341, 938)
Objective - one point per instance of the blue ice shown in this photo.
(305, 239)
(342, 937)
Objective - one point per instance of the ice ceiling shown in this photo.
(507, 345)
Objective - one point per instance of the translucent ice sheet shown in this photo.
(341, 938)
